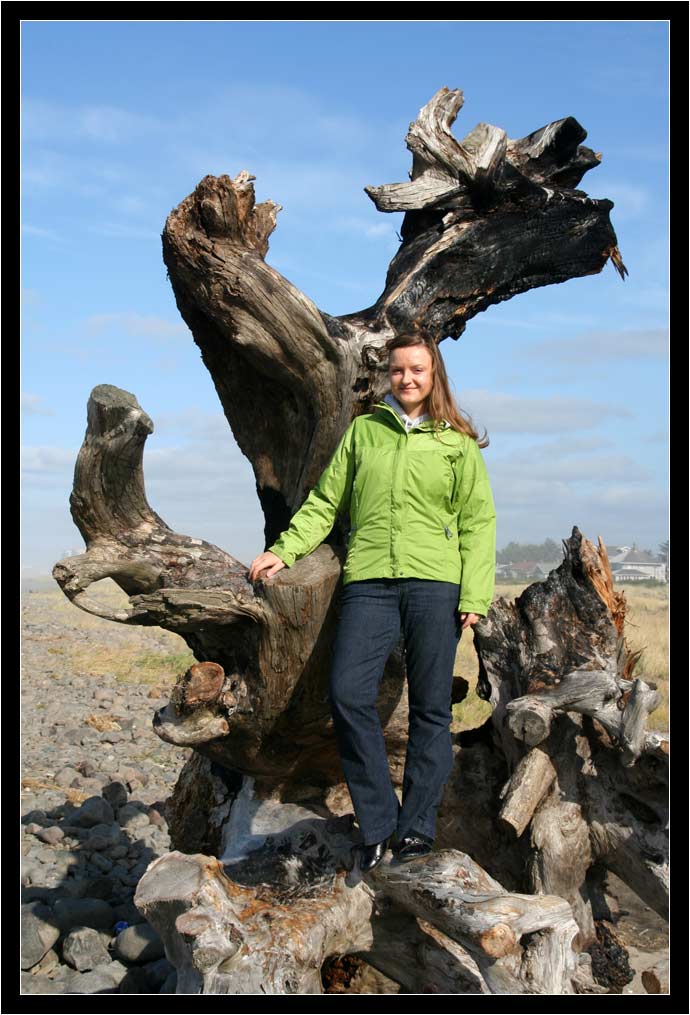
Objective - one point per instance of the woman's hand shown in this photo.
(468, 619)
(264, 560)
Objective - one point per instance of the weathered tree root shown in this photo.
(226, 933)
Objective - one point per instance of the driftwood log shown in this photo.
(656, 979)
(259, 890)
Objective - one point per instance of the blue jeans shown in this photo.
(373, 613)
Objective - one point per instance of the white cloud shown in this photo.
(44, 120)
(630, 201)
(597, 346)
(500, 412)
(122, 231)
(370, 228)
(32, 405)
(495, 316)
(195, 423)
(541, 465)
(136, 324)
(45, 234)
(46, 460)
(571, 446)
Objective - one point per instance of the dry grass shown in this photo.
(102, 723)
(74, 796)
(646, 628)
(131, 657)
(129, 664)
(130, 654)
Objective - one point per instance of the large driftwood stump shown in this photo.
(258, 892)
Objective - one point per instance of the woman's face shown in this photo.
(411, 377)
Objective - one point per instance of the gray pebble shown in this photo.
(158, 972)
(94, 811)
(96, 913)
(98, 981)
(40, 985)
(140, 869)
(131, 773)
(63, 859)
(73, 737)
(112, 737)
(66, 776)
(137, 981)
(43, 854)
(35, 816)
(93, 786)
(62, 810)
(71, 831)
(49, 962)
(102, 862)
(84, 948)
(39, 931)
(99, 888)
(170, 985)
(140, 943)
(131, 817)
(115, 793)
(51, 835)
(95, 843)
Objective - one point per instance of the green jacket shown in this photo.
(420, 506)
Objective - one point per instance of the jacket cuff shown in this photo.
(481, 609)
(287, 558)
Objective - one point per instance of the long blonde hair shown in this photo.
(440, 402)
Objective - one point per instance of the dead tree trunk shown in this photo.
(485, 219)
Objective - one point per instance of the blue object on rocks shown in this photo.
(120, 926)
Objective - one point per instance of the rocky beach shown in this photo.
(94, 791)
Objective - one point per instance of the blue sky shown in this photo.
(120, 121)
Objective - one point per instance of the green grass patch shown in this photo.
(151, 667)
(131, 666)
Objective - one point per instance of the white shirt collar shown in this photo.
(391, 400)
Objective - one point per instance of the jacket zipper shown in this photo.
(396, 462)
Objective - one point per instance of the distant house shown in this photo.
(616, 552)
(636, 565)
(519, 569)
(545, 567)
(627, 564)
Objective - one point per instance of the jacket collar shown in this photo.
(393, 407)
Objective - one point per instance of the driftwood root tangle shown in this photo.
(563, 778)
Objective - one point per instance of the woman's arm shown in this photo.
(476, 531)
(331, 496)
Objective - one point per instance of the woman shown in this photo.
(421, 559)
